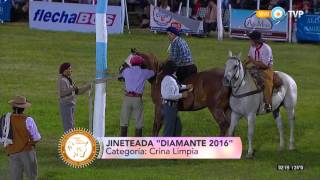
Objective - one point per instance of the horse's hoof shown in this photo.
(250, 156)
(292, 147)
(280, 148)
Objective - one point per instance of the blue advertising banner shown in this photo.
(243, 21)
(5, 10)
(308, 28)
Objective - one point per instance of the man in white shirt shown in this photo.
(260, 55)
(170, 92)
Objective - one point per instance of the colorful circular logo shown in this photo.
(78, 148)
(278, 13)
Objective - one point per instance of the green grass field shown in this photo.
(29, 61)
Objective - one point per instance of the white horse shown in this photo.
(247, 100)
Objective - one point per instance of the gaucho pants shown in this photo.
(25, 161)
(268, 85)
(132, 106)
(184, 72)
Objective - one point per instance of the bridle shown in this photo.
(236, 77)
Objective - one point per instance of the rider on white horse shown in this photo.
(260, 54)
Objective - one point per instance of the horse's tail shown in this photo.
(291, 96)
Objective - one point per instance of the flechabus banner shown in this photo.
(170, 148)
(161, 19)
(71, 17)
(244, 21)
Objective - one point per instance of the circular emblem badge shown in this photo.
(278, 13)
(78, 148)
(161, 17)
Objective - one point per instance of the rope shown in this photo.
(247, 94)
(90, 108)
(91, 94)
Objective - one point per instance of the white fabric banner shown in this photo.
(71, 17)
(161, 19)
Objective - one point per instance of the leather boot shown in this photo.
(139, 132)
(124, 131)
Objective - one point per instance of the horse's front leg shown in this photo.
(251, 123)
(234, 121)
(157, 120)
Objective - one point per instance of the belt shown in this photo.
(171, 103)
(133, 94)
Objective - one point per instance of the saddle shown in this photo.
(259, 81)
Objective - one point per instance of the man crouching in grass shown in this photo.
(19, 134)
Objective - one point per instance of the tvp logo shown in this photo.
(277, 14)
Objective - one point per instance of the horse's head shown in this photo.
(233, 69)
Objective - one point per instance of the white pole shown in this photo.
(90, 108)
(219, 21)
(155, 3)
(188, 6)
(290, 23)
(180, 7)
(101, 68)
(258, 4)
(127, 17)
(122, 15)
(230, 8)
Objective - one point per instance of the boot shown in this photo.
(139, 132)
(124, 131)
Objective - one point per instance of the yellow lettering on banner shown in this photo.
(263, 13)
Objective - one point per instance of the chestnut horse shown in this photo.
(208, 92)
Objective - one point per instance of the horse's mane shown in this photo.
(151, 61)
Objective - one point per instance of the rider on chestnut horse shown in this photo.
(180, 53)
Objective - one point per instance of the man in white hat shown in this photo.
(22, 155)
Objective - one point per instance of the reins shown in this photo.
(237, 88)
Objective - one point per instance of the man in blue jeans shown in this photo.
(170, 92)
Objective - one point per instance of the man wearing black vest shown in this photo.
(171, 93)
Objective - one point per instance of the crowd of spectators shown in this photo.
(19, 10)
(200, 9)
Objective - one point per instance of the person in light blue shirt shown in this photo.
(135, 78)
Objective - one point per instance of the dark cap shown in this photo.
(255, 36)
